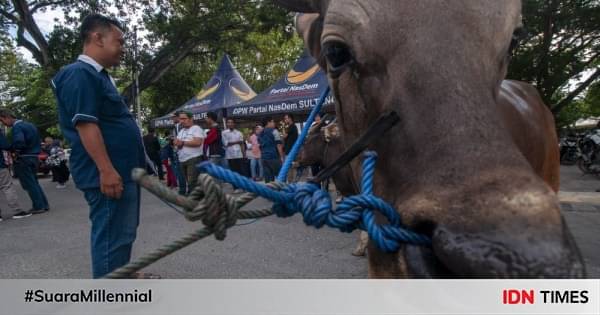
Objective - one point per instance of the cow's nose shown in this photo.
(509, 253)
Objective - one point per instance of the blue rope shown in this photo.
(316, 206)
(287, 164)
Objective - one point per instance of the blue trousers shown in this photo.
(181, 181)
(26, 170)
(256, 168)
(114, 227)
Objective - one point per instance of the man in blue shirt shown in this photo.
(271, 149)
(106, 142)
(26, 145)
(6, 186)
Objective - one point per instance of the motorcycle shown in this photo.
(589, 153)
(568, 150)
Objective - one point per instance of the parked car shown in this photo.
(43, 167)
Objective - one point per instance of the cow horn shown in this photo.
(304, 6)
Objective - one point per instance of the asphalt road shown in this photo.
(56, 244)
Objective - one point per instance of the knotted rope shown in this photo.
(317, 209)
(207, 202)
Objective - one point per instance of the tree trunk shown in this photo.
(547, 42)
(565, 101)
(165, 60)
(39, 48)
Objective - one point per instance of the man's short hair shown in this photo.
(188, 114)
(93, 22)
(212, 115)
(6, 113)
(175, 114)
(266, 120)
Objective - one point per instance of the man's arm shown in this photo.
(194, 143)
(211, 137)
(281, 152)
(197, 138)
(4, 145)
(111, 183)
(279, 143)
(240, 142)
(294, 132)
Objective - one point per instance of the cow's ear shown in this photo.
(309, 27)
(305, 6)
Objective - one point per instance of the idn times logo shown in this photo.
(530, 296)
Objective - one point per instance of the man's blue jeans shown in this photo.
(114, 226)
(256, 168)
(181, 182)
(26, 170)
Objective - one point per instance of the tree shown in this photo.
(561, 53)
(202, 27)
(261, 59)
(170, 31)
(177, 28)
(24, 90)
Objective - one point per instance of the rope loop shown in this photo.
(317, 208)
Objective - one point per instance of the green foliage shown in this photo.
(24, 89)
(206, 28)
(54, 131)
(560, 52)
(266, 57)
(256, 34)
(64, 45)
(176, 87)
(261, 59)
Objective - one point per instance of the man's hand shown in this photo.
(178, 143)
(111, 184)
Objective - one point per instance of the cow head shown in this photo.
(450, 166)
(315, 148)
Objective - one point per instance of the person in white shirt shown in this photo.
(189, 148)
(233, 141)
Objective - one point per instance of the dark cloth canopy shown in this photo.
(225, 88)
(297, 92)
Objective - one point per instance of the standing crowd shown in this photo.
(258, 155)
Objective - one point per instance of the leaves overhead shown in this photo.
(561, 54)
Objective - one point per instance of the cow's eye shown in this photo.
(338, 56)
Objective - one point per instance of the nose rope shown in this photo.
(317, 209)
(315, 204)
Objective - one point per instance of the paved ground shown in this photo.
(581, 209)
(55, 245)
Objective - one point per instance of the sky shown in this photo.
(46, 22)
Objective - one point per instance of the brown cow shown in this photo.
(322, 146)
(456, 167)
